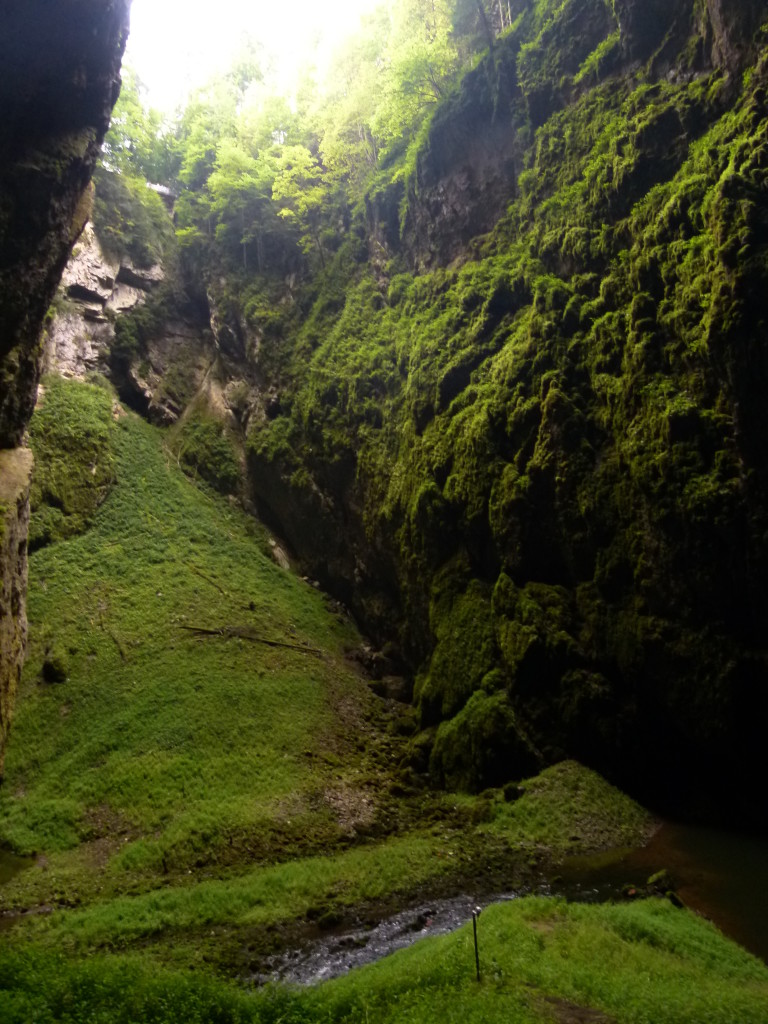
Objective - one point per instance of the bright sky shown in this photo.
(175, 45)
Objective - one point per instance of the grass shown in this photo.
(164, 733)
(567, 797)
(542, 961)
(636, 963)
(538, 825)
(71, 437)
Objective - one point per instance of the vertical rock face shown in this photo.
(59, 79)
(733, 25)
(727, 27)
(79, 334)
(644, 25)
(15, 473)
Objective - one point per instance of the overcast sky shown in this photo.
(176, 45)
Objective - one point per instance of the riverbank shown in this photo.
(542, 961)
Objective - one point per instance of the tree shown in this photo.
(208, 118)
(139, 141)
(423, 61)
(301, 191)
(240, 188)
(357, 84)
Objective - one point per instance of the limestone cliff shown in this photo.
(95, 289)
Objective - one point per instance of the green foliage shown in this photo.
(188, 743)
(560, 797)
(130, 219)
(301, 192)
(145, 322)
(203, 445)
(481, 746)
(138, 144)
(240, 191)
(72, 437)
(566, 412)
(563, 413)
(535, 954)
(603, 55)
(186, 794)
(264, 181)
(464, 652)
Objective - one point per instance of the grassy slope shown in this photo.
(192, 800)
(186, 739)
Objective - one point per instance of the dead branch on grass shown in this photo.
(246, 633)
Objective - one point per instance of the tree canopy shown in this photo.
(259, 174)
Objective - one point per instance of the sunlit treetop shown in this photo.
(177, 45)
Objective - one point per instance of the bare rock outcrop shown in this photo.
(95, 288)
(90, 275)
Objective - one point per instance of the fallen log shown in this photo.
(246, 633)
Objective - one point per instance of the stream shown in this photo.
(720, 875)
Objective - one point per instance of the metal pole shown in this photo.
(475, 915)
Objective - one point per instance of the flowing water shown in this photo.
(333, 955)
(720, 875)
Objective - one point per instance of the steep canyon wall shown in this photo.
(516, 422)
(532, 451)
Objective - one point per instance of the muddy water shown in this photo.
(719, 874)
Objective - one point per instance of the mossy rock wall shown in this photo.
(542, 468)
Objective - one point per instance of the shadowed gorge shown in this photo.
(398, 519)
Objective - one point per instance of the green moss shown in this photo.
(130, 219)
(573, 405)
(536, 954)
(483, 745)
(205, 446)
(71, 435)
(464, 651)
(141, 325)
